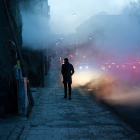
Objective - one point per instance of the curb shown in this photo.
(16, 132)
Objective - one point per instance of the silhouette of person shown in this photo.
(67, 71)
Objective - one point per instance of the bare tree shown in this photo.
(132, 8)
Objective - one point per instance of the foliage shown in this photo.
(132, 8)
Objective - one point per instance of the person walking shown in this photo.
(67, 71)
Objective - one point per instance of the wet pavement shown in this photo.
(56, 118)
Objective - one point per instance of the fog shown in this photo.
(113, 89)
(110, 39)
(62, 19)
(36, 31)
(98, 31)
(111, 35)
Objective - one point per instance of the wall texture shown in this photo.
(32, 59)
(8, 55)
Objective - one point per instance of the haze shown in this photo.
(62, 20)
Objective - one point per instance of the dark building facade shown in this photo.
(8, 50)
(8, 53)
(116, 34)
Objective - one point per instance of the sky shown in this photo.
(62, 20)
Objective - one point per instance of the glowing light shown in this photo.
(109, 66)
(61, 38)
(102, 66)
(71, 55)
(113, 63)
(84, 56)
(87, 67)
(117, 66)
(105, 63)
(89, 89)
(126, 63)
(80, 67)
(123, 66)
(134, 67)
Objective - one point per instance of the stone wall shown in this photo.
(8, 55)
(33, 59)
(33, 66)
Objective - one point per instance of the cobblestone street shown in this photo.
(56, 118)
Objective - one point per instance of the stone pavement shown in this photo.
(56, 118)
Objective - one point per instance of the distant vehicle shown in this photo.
(83, 66)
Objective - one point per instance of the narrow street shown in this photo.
(56, 118)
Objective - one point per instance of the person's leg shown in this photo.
(65, 90)
(69, 85)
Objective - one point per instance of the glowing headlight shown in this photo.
(80, 67)
(87, 67)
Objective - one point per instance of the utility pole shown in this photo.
(43, 75)
(47, 60)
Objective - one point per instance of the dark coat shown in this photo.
(67, 71)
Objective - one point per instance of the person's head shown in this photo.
(65, 60)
